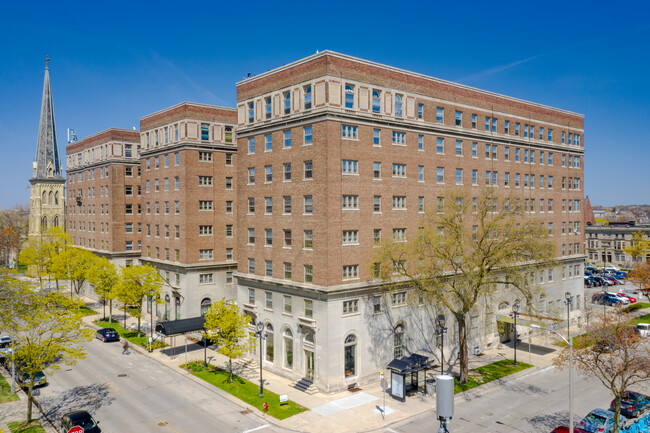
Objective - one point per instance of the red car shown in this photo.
(564, 429)
(632, 300)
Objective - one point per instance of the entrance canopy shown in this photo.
(178, 327)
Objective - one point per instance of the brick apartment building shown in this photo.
(337, 153)
(163, 195)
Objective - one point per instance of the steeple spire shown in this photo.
(46, 164)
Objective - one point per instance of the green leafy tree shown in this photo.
(104, 278)
(466, 248)
(48, 333)
(39, 251)
(227, 327)
(73, 264)
(612, 352)
(639, 246)
(136, 283)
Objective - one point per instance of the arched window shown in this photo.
(55, 223)
(398, 341)
(51, 198)
(375, 101)
(309, 337)
(56, 198)
(504, 306)
(177, 308)
(398, 105)
(268, 107)
(350, 356)
(287, 103)
(349, 96)
(44, 223)
(168, 308)
(287, 338)
(44, 198)
(307, 97)
(205, 305)
(158, 302)
(269, 343)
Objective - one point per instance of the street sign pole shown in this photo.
(384, 385)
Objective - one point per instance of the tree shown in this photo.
(73, 264)
(39, 251)
(612, 352)
(638, 247)
(48, 332)
(104, 278)
(227, 327)
(135, 283)
(463, 250)
(9, 242)
(640, 276)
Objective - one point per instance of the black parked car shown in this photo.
(632, 404)
(79, 418)
(107, 334)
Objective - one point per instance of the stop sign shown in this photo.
(76, 429)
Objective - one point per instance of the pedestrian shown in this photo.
(125, 345)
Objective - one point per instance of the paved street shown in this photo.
(133, 393)
(535, 403)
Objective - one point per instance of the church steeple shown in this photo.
(46, 163)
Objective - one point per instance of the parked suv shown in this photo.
(632, 404)
(79, 418)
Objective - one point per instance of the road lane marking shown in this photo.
(171, 428)
(116, 388)
(256, 428)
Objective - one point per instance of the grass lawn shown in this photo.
(87, 311)
(244, 390)
(641, 319)
(22, 427)
(132, 336)
(5, 392)
(488, 373)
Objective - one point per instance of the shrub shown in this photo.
(636, 306)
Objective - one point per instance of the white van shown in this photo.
(611, 268)
(644, 329)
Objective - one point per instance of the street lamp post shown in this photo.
(151, 293)
(570, 343)
(515, 313)
(260, 334)
(440, 332)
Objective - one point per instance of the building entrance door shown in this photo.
(309, 364)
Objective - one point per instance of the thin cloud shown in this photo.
(497, 69)
(177, 71)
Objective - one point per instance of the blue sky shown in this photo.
(111, 65)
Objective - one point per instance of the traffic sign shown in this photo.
(381, 374)
(76, 429)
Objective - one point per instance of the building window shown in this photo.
(350, 356)
(269, 347)
(206, 303)
(268, 205)
(350, 237)
(399, 138)
(399, 170)
(251, 145)
(308, 204)
(268, 173)
(268, 264)
(349, 167)
(205, 254)
(459, 176)
(287, 271)
(350, 272)
(458, 118)
(349, 132)
(207, 230)
(440, 174)
(206, 278)
(287, 205)
(288, 348)
(251, 270)
(420, 173)
(287, 102)
(269, 301)
(308, 170)
(287, 139)
(308, 239)
(268, 143)
(307, 97)
(308, 134)
(399, 202)
(440, 145)
(399, 235)
(376, 170)
(350, 201)
(376, 137)
(376, 203)
(440, 114)
(349, 96)
(351, 306)
(205, 204)
(398, 105)
(398, 341)
(205, 180)
(309, 273)
(420, 111)
(375, 101)
(205, 132)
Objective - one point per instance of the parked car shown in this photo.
(601, 281)
(644, 329)
(589, 282)
(605, 298)
(632, 404)
(631, 299)
(600, 421)
(590, 268)
(23, 379)
(79, 418)
(107, 334)
(611, 268)
(5, 347)
(621, 298)
(611, 280)
(620, 274)
(565, 429)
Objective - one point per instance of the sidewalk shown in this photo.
(17, 410)
(349, 411)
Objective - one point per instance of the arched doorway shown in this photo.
(308, 345)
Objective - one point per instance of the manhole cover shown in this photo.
(162, 424)
(121, 375)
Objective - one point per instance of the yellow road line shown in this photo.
(116, 388)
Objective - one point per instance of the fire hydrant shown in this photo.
(266, 407)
